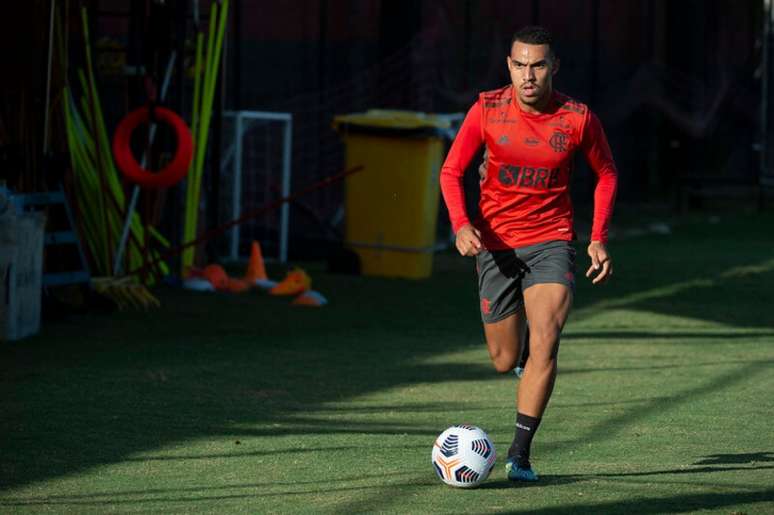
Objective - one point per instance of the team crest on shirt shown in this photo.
(559, 141)
(486, 307)
(503, 140)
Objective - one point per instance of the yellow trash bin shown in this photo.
(392, 204)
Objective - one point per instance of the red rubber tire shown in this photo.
(170, 174)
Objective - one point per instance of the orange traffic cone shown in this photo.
(216, 275)
(238, 285)
(255, 268)
(297, 281)
(310, 298)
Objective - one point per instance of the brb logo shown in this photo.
(510, 175)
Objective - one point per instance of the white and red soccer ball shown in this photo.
(463, 456)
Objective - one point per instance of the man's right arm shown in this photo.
(464, 147)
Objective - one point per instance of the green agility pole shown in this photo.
(217, 28)
(187, 257)
(98, 189)
(101, 171)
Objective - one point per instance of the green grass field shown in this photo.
(218, 403)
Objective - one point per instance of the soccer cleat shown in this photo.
(516, 473)
(519, 371)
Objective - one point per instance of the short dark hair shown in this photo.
(534, 35)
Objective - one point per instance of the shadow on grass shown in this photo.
(295, 451)
(653, 366)
(559, 404)
(205, 493)
(96, 390)
(112, 494)
(673, 504)
(655, 336)
(730, 459)
(667, 504)
(547, 480)
(721, 273)
(609, 427)
(681, 471)
(647, 505)
(565, 479)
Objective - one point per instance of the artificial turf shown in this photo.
(223, 403)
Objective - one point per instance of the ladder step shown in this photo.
(64, 237)
(39, 199)
(60, 238)
(59, 279)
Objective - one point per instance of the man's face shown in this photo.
(532, 69)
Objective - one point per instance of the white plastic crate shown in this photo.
(21, 271)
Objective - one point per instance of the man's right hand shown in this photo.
(468, 241)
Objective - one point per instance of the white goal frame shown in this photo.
(235, 153)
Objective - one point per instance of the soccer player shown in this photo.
(521, 238)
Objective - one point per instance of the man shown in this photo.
(521, 240)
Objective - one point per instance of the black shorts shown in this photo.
(503, 275)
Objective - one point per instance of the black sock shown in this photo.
(526, 427)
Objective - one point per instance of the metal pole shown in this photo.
(136, 189)
(48, 75)
(764, 138)
(236, 65)
(285, 212)
(236, 201)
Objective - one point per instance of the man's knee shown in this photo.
(504, 366)
(503, 360)
(544, 346)
(544, 335)
(541, 363)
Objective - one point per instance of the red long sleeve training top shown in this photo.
(525, 197)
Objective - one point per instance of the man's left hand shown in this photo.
(601, 264)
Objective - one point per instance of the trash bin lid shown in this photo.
(387, 122)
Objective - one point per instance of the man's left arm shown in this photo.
(600, 159)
